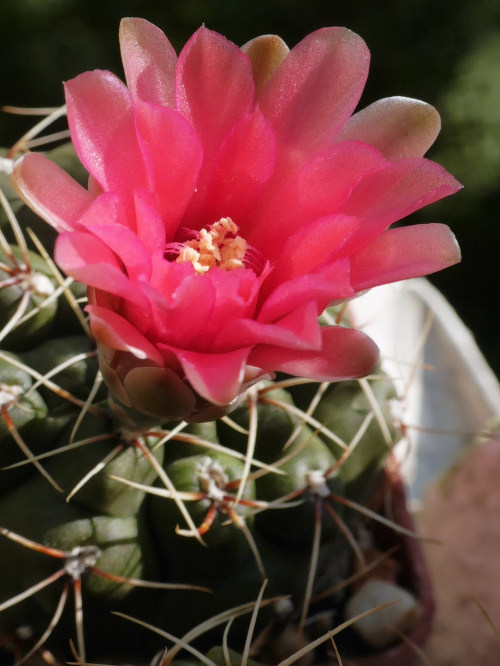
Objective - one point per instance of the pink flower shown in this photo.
(232, 198)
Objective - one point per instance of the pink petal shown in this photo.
(128, 248)
(181, 305)
(106, 209)
(397, 126)
(50, 191)
(317, 190)
(175, 153)
(406, 252)
(87, 259)
(149, 61)
(216, 377)
(331, 283)
(242, 168)
(345, 354)
(236, 297)
(149, 224)
(298, 330)
(214, 86)
(105, 218)
(315, 90)
(311, 246)
(390, 195)
(103, 130)
(214, 89)
(112, 331)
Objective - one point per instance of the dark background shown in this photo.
(446, 52)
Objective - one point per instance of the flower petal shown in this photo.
(214, 90)
(236, 294)
(242, 168)
(214, 86)
(128, 248)
(318, 189)
(216, 377)
(406, 252)
(106, 219)
(50, 191)
(87, 259)
(391, 194)
(266, 54)
(149, 224)
(311, 246)
(315, 90)
(175, 153)
(106, 209)
(331, 283)
(181, 305)
(298, 330)
(149, 61)
(159, 392)
(345, 354)
(103, 130)
(397, 126)
(115, 332)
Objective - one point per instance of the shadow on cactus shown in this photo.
(233, 198)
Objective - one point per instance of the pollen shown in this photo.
(219, 246)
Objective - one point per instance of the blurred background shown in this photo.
(446, 52)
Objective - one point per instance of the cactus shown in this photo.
(176, 524)
(242, 531)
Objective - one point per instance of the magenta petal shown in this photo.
(236, 294)
(50, 191)
(87, 259)
(175, 154)
(406, 252)
(112, 331)
(311, 246)
(330, 284)
(103, 130)
(318, 189)
(149, 224)
(106, 209)
(214, 86)
(242, 168)
(214, 90)
(106, 219)
(345, 354)
(149, 61)
(182, 304)
(298, 330)
(127, 247)
(316, 89)
(216, 377)
(389, 195)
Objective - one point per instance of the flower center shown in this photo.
(218, 246)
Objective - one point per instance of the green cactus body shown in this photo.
(31, 290)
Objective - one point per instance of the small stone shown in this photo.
(383, 627)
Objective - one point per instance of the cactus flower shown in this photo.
(233, 196)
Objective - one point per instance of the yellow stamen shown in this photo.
(214, 249)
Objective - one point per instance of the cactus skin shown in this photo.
(135, 531)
